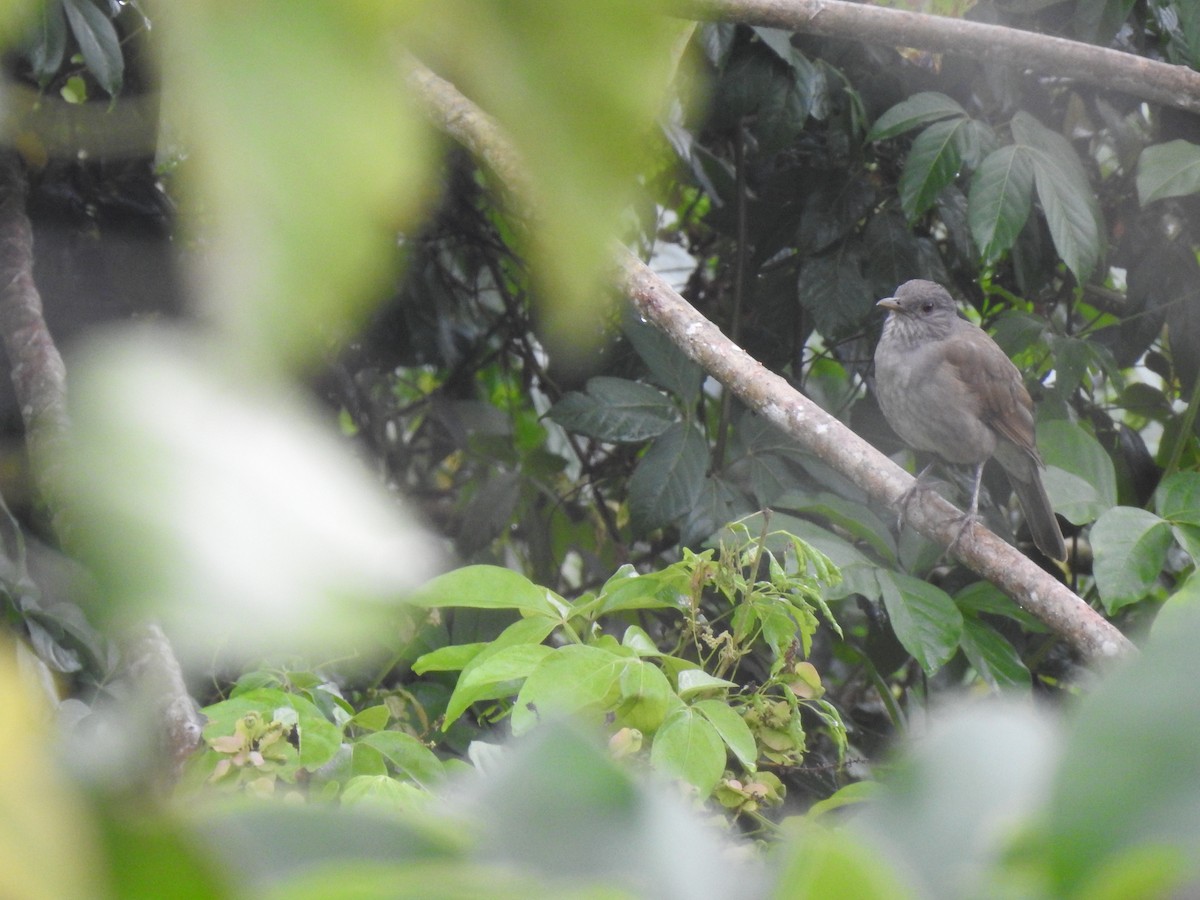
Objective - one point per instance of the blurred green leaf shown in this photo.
(952, 803)
(1152, 807)
(306, 156)
(1130, 548)
(578, 87)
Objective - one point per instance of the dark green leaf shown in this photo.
(992, 656)
(616, 409)
(1097, 21)
(687, 746)
(1000, 199)
(893, 252)
(98, 42)
(668, 365)
(834, 291)
(1130, 548)
(1067, 199)
(925, 619)
(932, 164)
(919, 109)
(668, 479)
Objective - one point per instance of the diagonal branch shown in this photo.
(1158, 82)
(814, 429)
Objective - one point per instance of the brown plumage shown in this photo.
(947, 388)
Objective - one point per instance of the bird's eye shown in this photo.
(927, 306)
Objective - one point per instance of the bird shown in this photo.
(947, 388)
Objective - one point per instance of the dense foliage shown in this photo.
(730, 626)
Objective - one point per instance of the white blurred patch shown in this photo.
(215, 500)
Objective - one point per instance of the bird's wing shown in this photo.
(996, 386)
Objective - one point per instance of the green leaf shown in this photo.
(664, 589)
(696, 681)
(668, 365)
(494, 676)
(488, 587)
(1130, 548)
(379, 791)
(932, 164)
(833, 290)
(49, 43)
(668, 479)
(645, 696)
(1168, 170)
(617, 410)
(733, 730)
(925, 619)
(448, 659)
(992, 656)
(919, 109)
(687, 746)
(999, 201)
(410, 757)
(98, 42)
(1072, 212)
(1092, 490)
(373, 718)
(1177, 499)
(573, 680)
(366, 761)
(494, 682)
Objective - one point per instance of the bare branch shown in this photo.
(1158, 82)
(814, 429)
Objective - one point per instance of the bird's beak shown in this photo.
(888, 303)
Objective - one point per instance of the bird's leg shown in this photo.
(972, 515)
